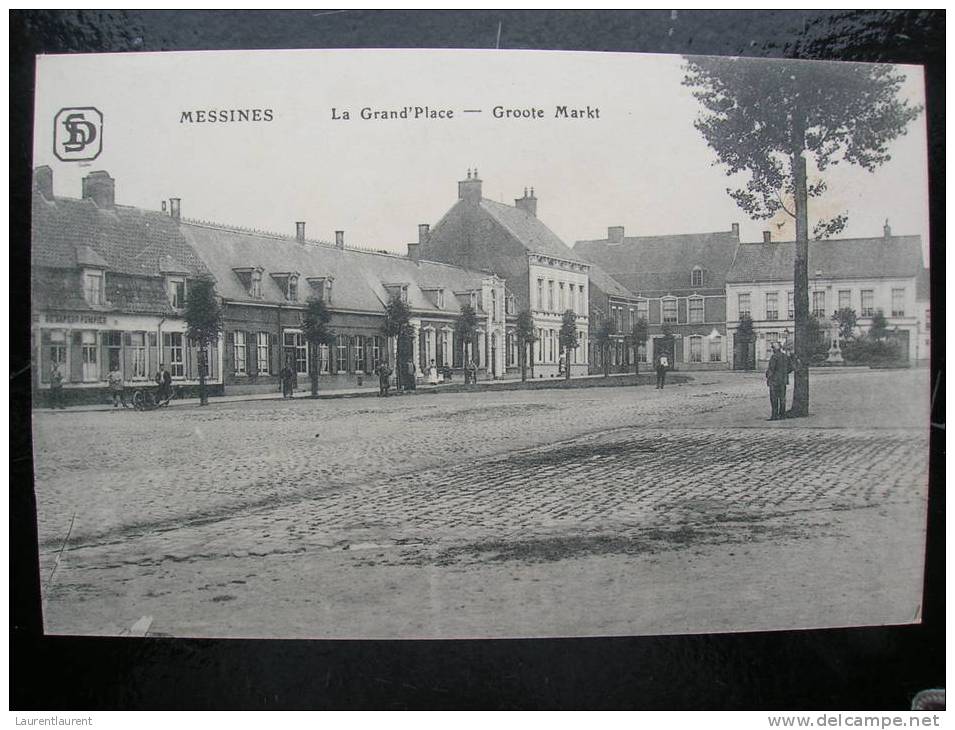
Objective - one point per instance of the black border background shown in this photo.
(866, 668)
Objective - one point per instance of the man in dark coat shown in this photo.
(164, 381)
(384, 375)
(777, 378)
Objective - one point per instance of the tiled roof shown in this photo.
(853, 258)
(360, 277)
(529, 231)
(126, 240)
(606, 283)
(663, 263)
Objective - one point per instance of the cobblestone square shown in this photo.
(618, 510)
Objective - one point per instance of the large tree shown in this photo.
(768, 119)
(203, 315)
(397, 324)
(526, 337)
(316, 332)
(568, 338)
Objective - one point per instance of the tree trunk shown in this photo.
(523, 362)
(567, 363)
(313, 370)
(606, 354)
(203, 396)
(801, 344)
(636, 359)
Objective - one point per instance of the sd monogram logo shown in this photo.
(78, 133)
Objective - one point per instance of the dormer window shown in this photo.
(291, 291)
(176, 291)
(696, 277)
(398, 290)
(322, 287)
(93, 286)
(437, 296)
(255, 286)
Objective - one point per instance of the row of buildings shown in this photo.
(109, 284)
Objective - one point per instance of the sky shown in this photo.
(641, 164)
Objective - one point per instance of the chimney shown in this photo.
(767, 237)
(99, 187)
(414, 251)
(300, 231)
(175, 208)
(470, 188)
(528, 203)
(163, 206)
(887, 229)
(735, 229)
(424, 233)
(615, 234)
(339, 239)
(43, 181)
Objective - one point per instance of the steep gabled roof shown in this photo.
(360, 277)
(663, 263)
(850, 258)
(67, 233)
(529, 231)
(607, 284)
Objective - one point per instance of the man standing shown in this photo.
(777, 378)
(384, 373)
(663, 362)
(115, 380)
(56, 386)
(164, 381)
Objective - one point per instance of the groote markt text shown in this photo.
(368, 113)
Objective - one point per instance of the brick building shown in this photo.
(677, 283)
(540, 271)
(108, 288)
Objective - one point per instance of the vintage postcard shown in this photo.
(406, 344)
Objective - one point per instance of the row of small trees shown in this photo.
(606, 333)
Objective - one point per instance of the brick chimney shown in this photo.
(735, 229)
(175, 208)
(424, 233)
(99, 187)
(615, 234)
(43, 181)
(414, 252)
(528, 203)
(767, 237)
(300, 231)
(339, 239)
(470, 189)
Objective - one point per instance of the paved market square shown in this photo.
(591, 511)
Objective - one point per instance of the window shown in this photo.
(790, 305)
(359, 353)
(716, 349)
(291, 291)
(819, 304)
(581, 308)
(375, 351)
(696, 349)
(696, 310)
(540, 293)
(341, 353)
(550, 296)
(696, 278)
(572, 298)
(563, 297)
(90, 361)
(325, 363)
(898, 302)
(743, 304)
(868, 302)
(113, 342)
(255, 287)
(669, 310)
(173, 352)
(239, 352)
(296, 350)
(137, 354)
(641, 353)
(177, 293)
(494, 305)
(772, 305)
(845, 298)
(93, 286)
(262, 352)
(643, 310)
(632, 319)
